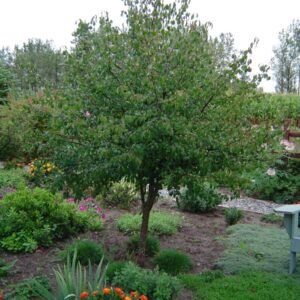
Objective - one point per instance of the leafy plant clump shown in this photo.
(272, 218)
(152, 245)
(198, 198)
(12, 178)
(233, 215)
(122, 194)
(86, 250)
(34, 218)
(6, 268)
(154, 284)
(160, 223)
(113, 268)
(173, 262)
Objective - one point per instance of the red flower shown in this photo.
(83, 295)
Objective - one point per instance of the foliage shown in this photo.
(286, 60)
(173, 262)
(33, 218)
(160, 223)
(152, 245)
(28, 289)
(247, 285)
(233, 215)
(73, 279)
(258, 248)
(23, 124)
(282, 187)
(155, 101)
(5, 268)
(199, 197)
(13, 178)
(155, 285)
(113, 268)
(272, 218)
(122, 194)
(86, 250)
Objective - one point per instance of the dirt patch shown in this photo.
(198, 237)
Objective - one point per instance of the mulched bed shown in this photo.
(198, 237)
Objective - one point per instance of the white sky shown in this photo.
(56, 20)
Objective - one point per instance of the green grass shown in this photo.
(244, 286)
(272, 218)
(254, 247)
(160, 223)
(14, 178)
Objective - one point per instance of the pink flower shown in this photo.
(71, 200)
(82, 207)
(87, 114)
(103, 216)
(88, 199)
(288, 145)
(98, 210)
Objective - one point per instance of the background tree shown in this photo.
(152, 102)
(286, 60)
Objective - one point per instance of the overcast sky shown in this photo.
(56, 20)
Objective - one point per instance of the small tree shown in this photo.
(155, 103)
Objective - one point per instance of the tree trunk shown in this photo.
(146, 209)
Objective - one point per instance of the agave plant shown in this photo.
(73, 278)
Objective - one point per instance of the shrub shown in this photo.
(33, 218)
(198, 198)
(13, 178)
(173, 262)
(272, 218)
(152, 245)
(122, 194)
(86, 251)
(155, 285)
(113, 268)
(160, 223)
(233, 215)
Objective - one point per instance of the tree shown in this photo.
(286, 60)
(152, 102)
(37, 65)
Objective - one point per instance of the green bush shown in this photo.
(86, 251)
(33, 218)
(160, 223)
(173, 262)
(122, 194)
(198, 198)
(271, 218)
(113, 268)
(13, 178)
(155, 285)
(152, 245)
(233, 215)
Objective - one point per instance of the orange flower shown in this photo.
(95, 293)
(106, 291)
(84, 295)
(127, 298)
(118, 291)
(143, 297)
(122, 296)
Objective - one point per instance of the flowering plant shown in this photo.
(111, 294)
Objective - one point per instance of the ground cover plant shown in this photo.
(152, 245)
(33, 218)
(272, 218)
(247, 285)
(233, 215)
(12, 178)
(159, 223)
(255, 247)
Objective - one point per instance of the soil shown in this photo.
(198, 237)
